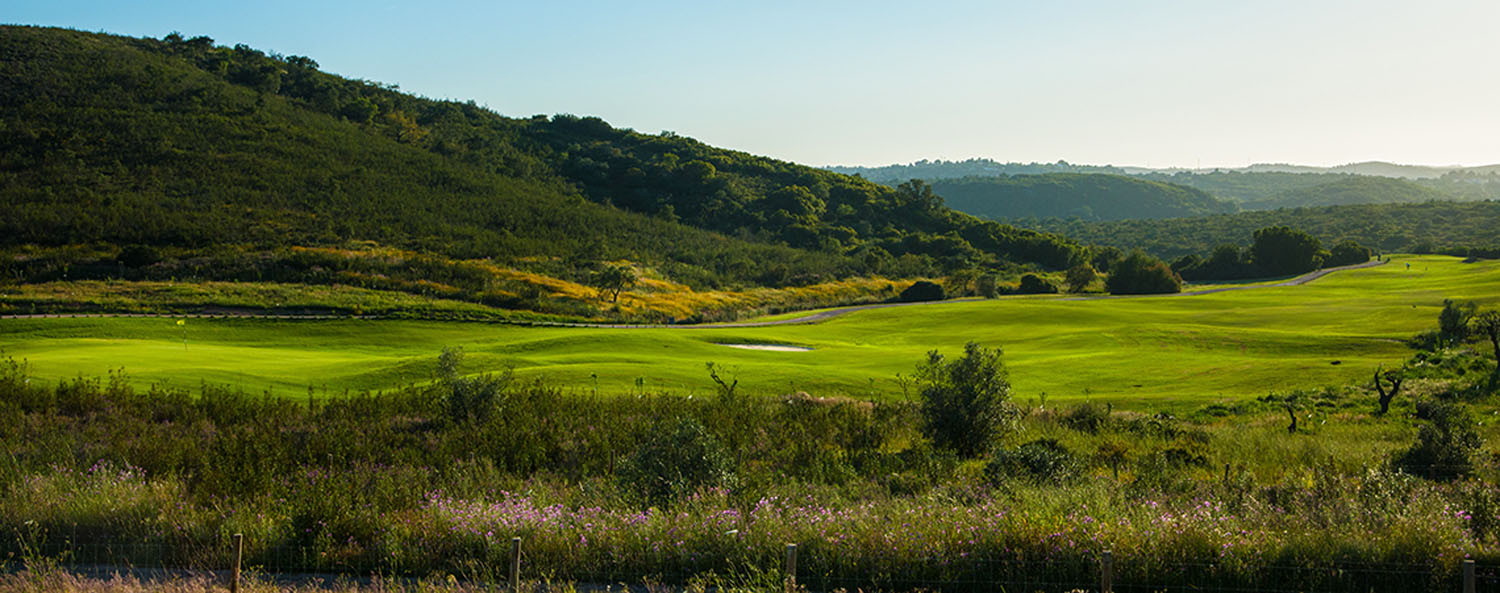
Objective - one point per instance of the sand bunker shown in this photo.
(770, 347)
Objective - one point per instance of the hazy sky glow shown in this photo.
(1192, 83)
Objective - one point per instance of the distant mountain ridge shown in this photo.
(1256, 187)
(941, 169)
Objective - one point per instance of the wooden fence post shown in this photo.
(1468, 576)
(791, 568)
(1107, 572)
(234, 574)
(515, 564)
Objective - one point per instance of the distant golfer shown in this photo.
(1408, 265)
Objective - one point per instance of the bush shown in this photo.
(1139, 273)
(1034, 284)
(966, 402)
(675, 462)
(987, 286)
(1079, 277)
(468, 398)
(921, 290)
(1347, 253)
(1445, 445)
(1086, 417)
(1042, 460)
(1453, 321)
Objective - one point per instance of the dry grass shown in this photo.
(57, 581)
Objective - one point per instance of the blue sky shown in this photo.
(1154, 83)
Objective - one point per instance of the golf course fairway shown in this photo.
(1161, 352)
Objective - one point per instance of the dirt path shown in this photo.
(805, 319)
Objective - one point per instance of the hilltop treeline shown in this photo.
(193, 148)
(1456, 228)
(1076, 195)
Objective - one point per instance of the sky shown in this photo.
(1202, 83)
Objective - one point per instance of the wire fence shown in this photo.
(813, 568)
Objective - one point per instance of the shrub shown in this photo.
(1086, 417)
(966, 402)
(1445, 445)
(1034, 284)
(987, 286)
(921, 290)
(675, 462)
(1347, 253)
(1042, 460)
(1453, 321)
(1139, 273)
(1079, 277)
(467, 398)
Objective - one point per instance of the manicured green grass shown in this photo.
(1144, 353)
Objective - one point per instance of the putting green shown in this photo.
(1156, 352)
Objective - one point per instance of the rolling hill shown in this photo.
(1352, 190)
(1075, 195)
(1450, 227)
(221, 163)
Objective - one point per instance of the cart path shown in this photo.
(804, 319)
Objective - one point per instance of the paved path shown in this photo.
(804, 319)
(1295, 281)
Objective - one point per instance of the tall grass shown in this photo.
(421, 482)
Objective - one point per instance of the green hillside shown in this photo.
(1453, 227)
(1353, 190)
(1075, 195)
(1246, 186)
(215, 162)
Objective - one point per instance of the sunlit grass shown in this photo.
(1134, 352)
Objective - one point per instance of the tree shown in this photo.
(921, 290)
(800, 203)
(987, 286)
(1392, 377)
(1347, 253)
(1488, 324)
(1283, 251)
(1453, 321)
(916, 194)
(1034, 284)
(612, 279)
(959, 281)
(965, 403)
(361, 110)
(1079, 277)
(1139, 273)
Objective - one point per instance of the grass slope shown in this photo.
(1136, 352)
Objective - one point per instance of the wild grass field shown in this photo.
(1195, 480)
(1153, 351)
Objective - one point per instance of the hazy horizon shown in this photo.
(1144, 84)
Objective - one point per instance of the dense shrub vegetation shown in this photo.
(127, 158)
(1450, 228)
(1073, 195)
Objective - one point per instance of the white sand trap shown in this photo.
(770, 347)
